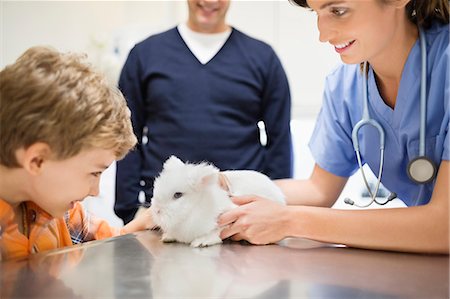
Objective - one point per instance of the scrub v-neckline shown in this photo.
(410, 73)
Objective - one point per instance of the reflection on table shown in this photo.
(141, 266)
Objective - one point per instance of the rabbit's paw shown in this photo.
(207, 240)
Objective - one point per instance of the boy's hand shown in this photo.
(147, 218)
(142, 222)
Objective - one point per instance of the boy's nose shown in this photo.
(95, 190)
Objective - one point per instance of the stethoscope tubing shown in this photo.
(367, 120)
(423, 92)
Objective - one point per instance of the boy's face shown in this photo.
(61, 183)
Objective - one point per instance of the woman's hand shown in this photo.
(257, 220)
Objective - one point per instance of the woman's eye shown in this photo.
(177, 195)
(97, 174)
(338, 11)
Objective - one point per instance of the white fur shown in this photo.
(192, 218)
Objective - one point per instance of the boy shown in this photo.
(61, 126)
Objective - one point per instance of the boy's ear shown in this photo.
(32, 157)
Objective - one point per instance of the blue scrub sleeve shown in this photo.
(446, 146)
(331, 143)
(445, 154)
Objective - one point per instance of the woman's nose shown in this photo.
(326, 31)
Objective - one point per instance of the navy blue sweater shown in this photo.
(202, 112)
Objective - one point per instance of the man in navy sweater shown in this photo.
(198, 91)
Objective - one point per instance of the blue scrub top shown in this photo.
(331, 142)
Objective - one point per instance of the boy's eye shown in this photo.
(177, 195)
(97, 174)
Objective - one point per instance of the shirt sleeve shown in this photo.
(277, 117)
(84, 227)
(128, 172)
(331, 143)
(445, 138)
(445, 154)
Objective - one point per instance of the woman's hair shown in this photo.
(420, 12)
(58, 98)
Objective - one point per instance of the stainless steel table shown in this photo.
(141, 266)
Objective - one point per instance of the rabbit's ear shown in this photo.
(210, 179)
(205, 175)
(173, 163)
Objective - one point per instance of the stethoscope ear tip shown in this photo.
(349, 201)
(392, 196)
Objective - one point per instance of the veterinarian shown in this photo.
(388, 107)
(198, 91)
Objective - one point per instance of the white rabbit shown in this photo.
(188, 198)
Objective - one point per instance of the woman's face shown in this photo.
(359, 30)
(208, 16)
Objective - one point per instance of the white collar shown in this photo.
(203, 45)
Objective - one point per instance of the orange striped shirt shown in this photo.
(43, 232)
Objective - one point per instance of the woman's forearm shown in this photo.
(416, 229)
(322, 189)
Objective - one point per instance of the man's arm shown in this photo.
(128, 175)
(277, 116)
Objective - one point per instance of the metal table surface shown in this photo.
(141, 266)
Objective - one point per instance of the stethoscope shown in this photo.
(421, 170)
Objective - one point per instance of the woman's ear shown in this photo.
(32, 157)
(401, 3)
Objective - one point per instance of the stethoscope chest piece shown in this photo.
(421, 170)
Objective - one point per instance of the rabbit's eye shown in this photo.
(177, 195)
